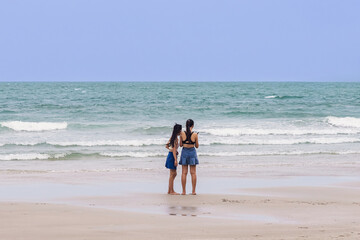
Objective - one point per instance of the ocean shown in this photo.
(126, 125)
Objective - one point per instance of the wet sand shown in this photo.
(271, 213)
(273, 204)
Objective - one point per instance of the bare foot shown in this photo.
(184, 193)
(194, 193)
(174, 193)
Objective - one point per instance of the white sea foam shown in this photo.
(291, 141)
(30, 156)
(26, 156)
(133, 142)
(259, 131)
(227, 154)
(344, 121)
(270, 96)
(34, 126)
(282, 97)
(133, 154)
(203, 141)
(20, 143)
(122, 143)
(43, 156)
(266, 153)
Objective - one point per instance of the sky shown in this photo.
(179, 40)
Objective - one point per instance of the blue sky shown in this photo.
(179, 40)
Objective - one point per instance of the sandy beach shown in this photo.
(133, 205)
(334, 215)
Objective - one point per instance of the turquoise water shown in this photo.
(62, 121)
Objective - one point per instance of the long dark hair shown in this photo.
(176, 130)
(189, 124)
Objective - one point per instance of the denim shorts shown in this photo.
(170, 161)
(188, 156)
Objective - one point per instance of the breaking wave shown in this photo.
(34, 126)
(350, 122)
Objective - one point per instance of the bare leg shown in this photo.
(171, 182)
(183, 178)
(193, 178)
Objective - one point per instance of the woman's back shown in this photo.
(189, 141)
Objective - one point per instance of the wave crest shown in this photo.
(34, 126)
(28, 156)
(249, 131)
(132, 142)
(320, 140)
(283, 97)
(344, 121)
(205, 141)
(270, 153)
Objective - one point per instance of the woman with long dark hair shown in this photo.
(189, 140)
(171, 160)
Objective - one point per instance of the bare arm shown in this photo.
(174, 151)
(181, 134)
(197, 140)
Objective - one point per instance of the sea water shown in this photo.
(129, 123)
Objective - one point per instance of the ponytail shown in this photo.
(189, 124)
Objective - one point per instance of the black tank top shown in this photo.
(188, 140)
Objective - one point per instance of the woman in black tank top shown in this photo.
(189, 141)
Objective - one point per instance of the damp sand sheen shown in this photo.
(86, 160)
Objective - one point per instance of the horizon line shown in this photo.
(98, 81)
